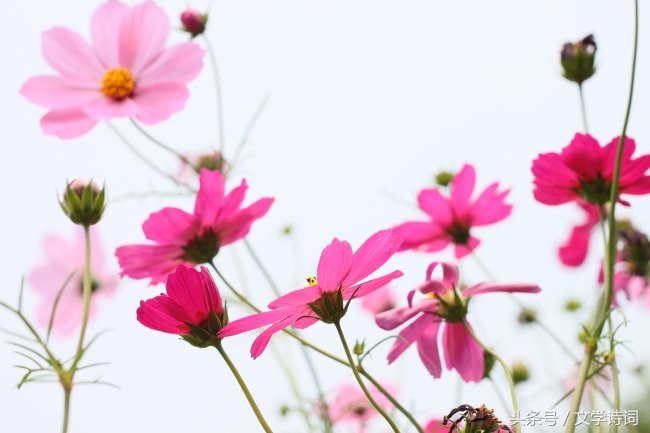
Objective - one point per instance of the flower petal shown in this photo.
(71, 56)
(334, 265)
(179, 63)
(371, 255)
(57, 93)
(68, 123)
(462, 352)
(298, 297)
(156, 102)
(461, 189)
(428, 349)
(415, 234)
(105, 21)
(171, 225)
(489, 287)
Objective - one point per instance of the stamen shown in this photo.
(312, 281)
(118, 83)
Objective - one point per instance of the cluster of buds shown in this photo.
(578, 59)
(83, 202)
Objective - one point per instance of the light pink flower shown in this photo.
(444, 307)
(192, 238)
(337, 280)
(352, 405)
(125, 71)
(191, 297)
(574, 251)
(63, 257)
(585, 171)
(382, 299)
(451, 218)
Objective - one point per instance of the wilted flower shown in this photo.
(337, 281)
(192, 239)
(451, 218)
(65, 258)
(445, 306)
(125, 72)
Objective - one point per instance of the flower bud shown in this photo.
(359, 348)
(527, 315)
(520, 372)
(578, 59)
(83, 202)
(572, 305)
(193, 22)
(444, 178)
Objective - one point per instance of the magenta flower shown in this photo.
(436, 425)
(191, 239)
(63, 258)
(444, 307)
(585, 171)
(352, 406)
(337, 280)
(451, 218)
(191, 298)
(574, 251)
(125, 72)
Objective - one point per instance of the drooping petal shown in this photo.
(428, 349)
(391, 319)
(488, 287)
(260, 343)
(68, 123)
(409, 335)
(71, 56)
(371, 255)
(462, 352)
(334, 265)
(142, 34)
(257, 320)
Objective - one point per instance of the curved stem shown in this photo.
(217, 88)
(511, 382)
(244, 388)
(159, 143)
(583, 108)
(372, 401)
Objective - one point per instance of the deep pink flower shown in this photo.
(184, 238)
(585, 171)
(436, 426)
(352, 405)
(125, 72)
(574, 251)
(452, 217)
(191, 297)
(382, 299)
(444, 307)
(337, 279)
(63, 258)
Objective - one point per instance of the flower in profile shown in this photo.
(66, 258)
(382, 299)
(194, 22)
(191, 308)
(584, 171)
(573, 251)
(451, 218)
(337, 280)
(83, 202)
(125, 71)
(578, 59)
(445, 306)
(353, 407)
(192, 238)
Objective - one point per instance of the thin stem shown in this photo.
(605, 300)
(217, 88)
(615, 381)
(239, 296)
(244, 388)
(249, 128)
(511, 382)
(262, 268)
(143, 158)
(372, 401)
(159, 143)
(87, 283)
(392, 399)
(66, 409)
(583, 109)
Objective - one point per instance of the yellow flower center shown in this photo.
(118, 83)
(312, 281)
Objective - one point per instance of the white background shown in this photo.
(368, 100)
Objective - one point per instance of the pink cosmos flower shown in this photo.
(452, 217)
(125, 71)
(352, 406)
(574, 251)
(189, 239)
(191, 297)
(585, 171)
(337, 280)
(444, 307)
(63, 258)
(436, 426)
(382, 299)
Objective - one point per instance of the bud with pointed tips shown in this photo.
(83, 202)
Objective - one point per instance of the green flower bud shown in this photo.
(444, 178)
(572, 305)
(520, 372)
(83, 202)
(578, 59)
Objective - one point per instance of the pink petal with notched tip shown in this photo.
(179, 63)
(71, 56)
(103, 26)
(462, 188)
(436, 206)
(171, 225)
(334, 265)
(371, 255)
(239, 223)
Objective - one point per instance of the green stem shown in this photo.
(159, 143)
(66, 409)
(605, 300)
(217, 88)
(372, 401)
(244, 388)
(87, 285)
(249, 129)
(613, 367)
(511, 382)
(583, 108)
